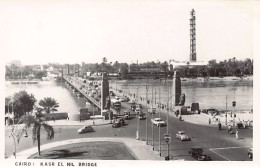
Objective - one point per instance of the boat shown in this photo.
(32, 82)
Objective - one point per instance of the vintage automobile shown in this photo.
(250, 153)
(116, 125)
(182, 136)
(133, 107)
(151, 110)
(139, 106)
(123, 99)
(158, 122)
(126, 115)
(85, 129)
(132, 102)
(141, 116)
(197, 153)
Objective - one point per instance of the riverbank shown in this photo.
(245, 117)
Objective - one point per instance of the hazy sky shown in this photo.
(127, 31)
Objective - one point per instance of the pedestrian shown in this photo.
(237, 134)
(229, 128)
(209, 121)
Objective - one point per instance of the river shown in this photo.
(211, 94)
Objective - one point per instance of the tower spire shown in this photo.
(192, 36)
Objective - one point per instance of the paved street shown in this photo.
(216, 143)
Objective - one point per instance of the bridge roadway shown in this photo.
(92, 100)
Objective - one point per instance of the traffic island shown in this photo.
(88, 150)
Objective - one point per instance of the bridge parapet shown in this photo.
(91, 99)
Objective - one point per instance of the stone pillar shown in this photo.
(176, 88)
(104, 90)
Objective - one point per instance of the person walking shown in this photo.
(237, 134)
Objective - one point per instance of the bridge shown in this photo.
(77, 87)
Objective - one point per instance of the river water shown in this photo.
(210, 94)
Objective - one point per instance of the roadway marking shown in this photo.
(220, 155)
(224, 148)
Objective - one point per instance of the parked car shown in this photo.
(197, 153)
(250, 153)
(182, 136)
(151, 110)
(158, 122)
(85, 129)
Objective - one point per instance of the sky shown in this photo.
(67, 31)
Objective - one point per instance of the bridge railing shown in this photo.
(96, 103)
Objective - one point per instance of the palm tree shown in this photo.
(49, 104)
(37, 122)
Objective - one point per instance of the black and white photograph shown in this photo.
(122, 83)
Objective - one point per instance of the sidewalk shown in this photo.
(97, 122)
(137, 148)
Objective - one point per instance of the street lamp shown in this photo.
(159, 117)
(168, 152)
(146, 112)
(138, 123)
(93, 114)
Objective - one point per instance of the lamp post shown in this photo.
(146, 112)
(152, 118)
(226, 111)
(160, 117)
(138, 123)
(168, 150)
(93, 114)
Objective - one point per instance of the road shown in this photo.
(216, 143)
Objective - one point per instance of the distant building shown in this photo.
(144, 68)
(14, 62)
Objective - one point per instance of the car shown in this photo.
(121, 121)
(141, 116)
(122, 99)
(139, 106)
(85, 129)
(158, 122)
(182, 136)
(198, 154)
(133, 107)
(151, 110)
(250, 153)
(127, 115)
(132, 102)
(116, 125)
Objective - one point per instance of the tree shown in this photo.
(49, 104)
(23, 103)
(37, 122)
